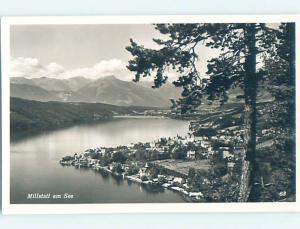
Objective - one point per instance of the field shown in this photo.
(182, 166)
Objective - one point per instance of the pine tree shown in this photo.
(241, 46)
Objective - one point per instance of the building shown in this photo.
(196, 195)
(144, 171)
(230, 165)
(178, 180)
(198, 138)
(191, 154)
(227, 154)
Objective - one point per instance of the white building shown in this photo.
(196, 195)
(230, 165)
(227, 154)
(191, 154)
(178, 180)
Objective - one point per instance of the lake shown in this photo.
(35, 167)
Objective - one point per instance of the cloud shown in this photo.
(22, 66)
(110, 66)
(114, 67)
(31, 68)
(54, 68)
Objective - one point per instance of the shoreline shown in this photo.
(187, 196)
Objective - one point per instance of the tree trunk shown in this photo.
(248, 190)
(291, 71)
(291, 59)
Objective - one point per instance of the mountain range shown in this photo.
(109, 90)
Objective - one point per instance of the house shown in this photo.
(83, 161)
(196, 195)
(144, 171)
(265, 131)
(170, 178)
(230, 165)
(92, 161)
(214, 138)
(76, 156)
(198, 138)
(221, 131)
(191, 154)
(186, 186)
(227, 154)
(282, 194)
(205, 181)
(205, 144)
(222, 138)
(178, 180)
(190, 137)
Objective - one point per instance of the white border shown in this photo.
(8, 208)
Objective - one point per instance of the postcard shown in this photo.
(149, 114)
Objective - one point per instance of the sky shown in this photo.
(92, 51)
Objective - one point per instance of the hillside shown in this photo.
(114, 91)
(34, 115)
(31, 92)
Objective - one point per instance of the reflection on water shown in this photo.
(35, 167)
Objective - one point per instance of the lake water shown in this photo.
(35, 167)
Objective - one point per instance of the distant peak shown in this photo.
(77, 77)
(110, 77)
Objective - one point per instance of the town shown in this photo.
(201, 166)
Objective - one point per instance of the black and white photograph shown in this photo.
(157, 111)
